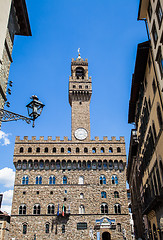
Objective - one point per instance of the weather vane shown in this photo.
(79, 54)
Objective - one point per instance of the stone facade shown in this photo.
(145, 171)
(4, 225)
(152, 11)
(85, 177)
(14, 21)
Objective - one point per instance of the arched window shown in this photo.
(77, 150)
(30, 165)
(29, 149)
(117, 208)
(24, 166)
(85, 150)
(41, 165)
(119, 227)
(22, 209)
(46, 150)
(81, 195)
(54, 149)
(25, 180)
(159, 116)
(118, 149)
(19, 165)
(114, 179)
(99, 164)
(81, 209)
(102, 150)
(115, 165)
(69, 150)
(110, 149)
(62, 150)
(74, 165)
(47, 165)
(50, 209)
(58, 166)
(110, 165)
(104, 208)
(81, 180)
(38, 180)
(94, 165)
(89, 165)
(80, 72)
(63, 164)
(64, 180)
(35, 164)
(93, 150)
(47, 227)
(21, 150)
(63, 228)
(84, 164)
(24, 228)
(103, 194)
(116, 194)
(51, 179)
(36, 209)
(102, 179)
(69, 165)
(105, 165)
(121, 166)
(52, 165)
(79, 164)
(37, 149)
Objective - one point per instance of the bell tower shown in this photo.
(80, 91)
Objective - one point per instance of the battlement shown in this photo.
(80, 61)
(66, 139)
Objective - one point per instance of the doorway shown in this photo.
(106, 236)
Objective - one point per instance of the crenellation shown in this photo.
(49, 138)
(25, 138)
(96, 138)
(113, 138)
(57, 139)
(17, 139)
(122, 139)
(33, 138)
(105, 138)
(41, 138)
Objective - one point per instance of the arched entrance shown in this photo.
(106, 236)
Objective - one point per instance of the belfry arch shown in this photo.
(106, 236)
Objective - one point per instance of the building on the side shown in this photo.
(71, 189)
(13, 21)
(130, 212)
(145, 161)
(4, 225)
(152, 12)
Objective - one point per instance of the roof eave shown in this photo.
(23, 19)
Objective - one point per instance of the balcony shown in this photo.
(151, 202)
(132, 151)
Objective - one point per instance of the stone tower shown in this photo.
(80, 91)
(71, 189)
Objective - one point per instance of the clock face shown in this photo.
(81, 133)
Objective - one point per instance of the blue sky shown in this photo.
(107, 33)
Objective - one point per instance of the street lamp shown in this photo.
(34, 108)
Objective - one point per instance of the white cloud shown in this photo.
(7, 201)
(6, 208)
(7, 177)
(4, 138)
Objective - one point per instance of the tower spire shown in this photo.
(79, 57)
